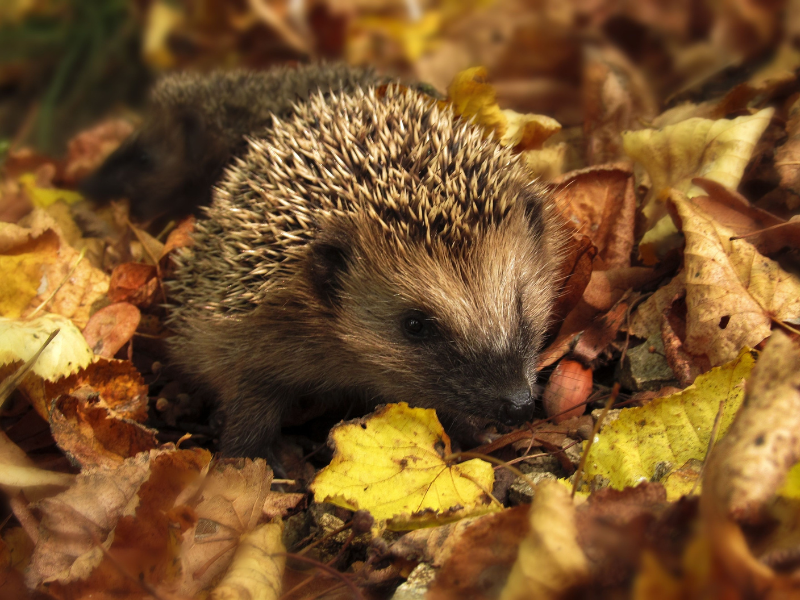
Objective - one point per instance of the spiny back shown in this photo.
(392, 159)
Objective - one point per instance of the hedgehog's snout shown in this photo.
(516, 405)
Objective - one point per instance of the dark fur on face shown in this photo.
(372, 249)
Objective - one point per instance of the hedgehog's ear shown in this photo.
(328, 261)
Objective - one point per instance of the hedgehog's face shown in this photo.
(455, 330)
(162, 168)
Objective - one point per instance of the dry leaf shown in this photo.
(110, 328)
(601, 204)
(392, 464)
(37, 254)
(135, 283)
(550, 560)
(787, 156)
(257, 567)
(92, 435)
(732, 292)
(128, 512)
(475, 559)
(748, 466)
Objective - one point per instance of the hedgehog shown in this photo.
(193, 126)
(371, 248)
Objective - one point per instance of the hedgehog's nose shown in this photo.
(516, 406)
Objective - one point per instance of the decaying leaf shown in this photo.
(21, 339)
(38, 259)
(671, 430)
(257, 567)
(717, 150)
(393, 464)
(127, 511)
(748, 466)
(733, 294)
(601, 204)
(111, 327)
(550, 560)
(93, 435)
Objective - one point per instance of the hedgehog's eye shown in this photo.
(417, 326)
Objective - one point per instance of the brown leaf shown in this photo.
(787, 157)
(93, 435)
(732, 210)
(180, 237)
(229, 506)
(125, 510)
(732, 292)
(135, 283)
(116, 383)
(616, 98)
(87, 150)
(600, 203)
(481, 558)
(110, 328)
(748, 465)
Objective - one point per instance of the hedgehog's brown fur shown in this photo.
(356, 216)
(195, 123)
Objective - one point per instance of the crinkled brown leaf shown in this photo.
(135, 283)
(480, 560)
(550, 560)
(749, 464)
(92, 435)
(732, 292)
(600, 203)
(127, 511)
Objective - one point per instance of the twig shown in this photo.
(323, 567)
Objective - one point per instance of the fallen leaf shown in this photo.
(673, 156)
(257, 567)
(229, 507)
(787, 156)
(479, 557)
(550, 560)
(92, 435)
(392, 464)
(42, 197)
(670, 430)
(748, 466)
(646, 319)
(64, 355)
(600, 203)
(87, 150)
(733, 294)
(135, 283)
(472, 97)
(110, 328)
(36, 252)
(127, 511)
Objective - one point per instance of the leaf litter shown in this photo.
(683, 254)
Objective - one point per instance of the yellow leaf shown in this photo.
(717, 150)
(733, 293)
(672, 430)
(257, 567)
(35, 260)
(472, 97)
(550, 559)
(45, 197)
(392, 464)
(64, 355)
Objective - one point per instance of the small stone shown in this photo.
(521, 492)
(417, 584)
(645, 367)
(162, 404)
